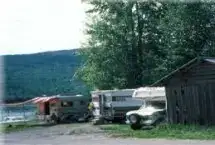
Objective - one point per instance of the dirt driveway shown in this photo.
(81, 134)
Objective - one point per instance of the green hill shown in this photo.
(48, 73)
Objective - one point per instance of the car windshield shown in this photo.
(143, 106)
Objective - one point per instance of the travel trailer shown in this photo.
(61, 108)
(112, 105)
(152, 112)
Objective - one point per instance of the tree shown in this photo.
(187, 32)
(133, 43)
(119, 46)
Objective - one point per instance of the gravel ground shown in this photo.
(81, 134)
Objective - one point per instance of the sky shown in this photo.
(30, 26)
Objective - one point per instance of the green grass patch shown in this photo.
(17, 126)
(163, 131)
(11, 127)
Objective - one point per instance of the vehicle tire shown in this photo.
(136, 126)
(134, 116)
(58, 120)
(71, 118)
(54, 119)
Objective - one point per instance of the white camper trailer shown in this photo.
(112, 105)
(150, 93)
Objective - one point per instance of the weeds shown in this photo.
(163, 131)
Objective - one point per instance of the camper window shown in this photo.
(53, 104)
(118, 98)
(114, 98)
(66, 104)
(95, 99)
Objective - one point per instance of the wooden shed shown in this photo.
(190, 92)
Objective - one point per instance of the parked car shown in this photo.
(151, 114)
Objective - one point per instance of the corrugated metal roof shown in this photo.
(190, 63)
(159, 82)
(212, 60)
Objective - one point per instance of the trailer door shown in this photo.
(101, 104)
(47, 108)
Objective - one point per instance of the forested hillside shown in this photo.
(48, 73)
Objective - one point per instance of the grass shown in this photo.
(6, 128)
(163, 131)
(12, 127)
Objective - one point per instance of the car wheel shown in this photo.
(134, 119)
(136, 126)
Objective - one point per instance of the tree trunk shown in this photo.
(133, 73)
(139, 47)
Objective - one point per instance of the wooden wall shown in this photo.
(191, 96)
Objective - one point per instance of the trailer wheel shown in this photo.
(55, 119)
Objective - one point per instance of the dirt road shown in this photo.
(81, 134)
